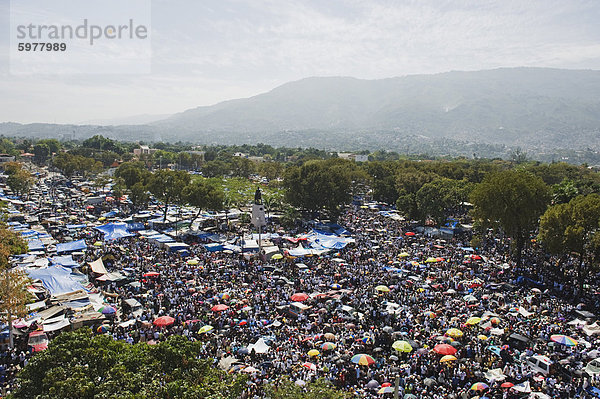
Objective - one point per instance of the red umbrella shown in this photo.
(164, 321)
(445, 349)
(151, 274)
(507, 385)
(299, 297)
(219, 308)
(386, 384)
(409, 234)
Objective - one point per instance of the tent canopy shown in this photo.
(71, 246)
(113, 231)
(56, 279)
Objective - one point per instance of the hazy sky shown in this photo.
(206, 51)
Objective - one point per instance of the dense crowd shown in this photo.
(463, 312)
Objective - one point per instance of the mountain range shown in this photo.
(538, 109)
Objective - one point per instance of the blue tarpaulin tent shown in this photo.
(35, 245)
(112, 231)
(66, 261)
(56, 279)
(135, 226)
(71, 246)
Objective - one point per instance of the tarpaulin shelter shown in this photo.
(66, 261)
(56, 279)
(97, 266)
(113, 231)
(71, 246)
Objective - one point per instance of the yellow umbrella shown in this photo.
(454, 333)
(192, 262)
(447, 358)
(402, 346)
(431, 260)
(414, 263)
(205, 329)
(277, 256)
(404, 255)
(473, 320)
(98, 244)
(482, 337)
(313, 353)
(382, 288)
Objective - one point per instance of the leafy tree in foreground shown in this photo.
(80, 365)
(574, 228)
(512, 200)
(441, 196)
(320, 389)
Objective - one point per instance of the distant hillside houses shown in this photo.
(353, 157)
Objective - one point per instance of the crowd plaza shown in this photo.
(370, 304)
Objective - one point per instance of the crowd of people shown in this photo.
(435, 317)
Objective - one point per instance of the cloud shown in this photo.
(204, 52)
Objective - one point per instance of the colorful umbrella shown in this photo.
(164, 321)
(479, 386)
(430, 314)
(447, 358)
(219, 308)
(367, 339)
(473, 320)
(383, 390)
(563, 339)
(402, 346)
(310, 366)
(336, 286)
(243, 322)
(205, 329)
(328, 346)
(151, 274)
(445, 349)
(313, 353)
(362, 359)
(102, 329)
(431, 260)
(224, 296)
(107, 310)
(299, 297)
(454, 333)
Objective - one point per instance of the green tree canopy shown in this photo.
(167, 186)
(81, 365)
(574, 228)
(512, 200)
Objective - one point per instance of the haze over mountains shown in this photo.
(535, 108)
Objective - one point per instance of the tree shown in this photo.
(19, 180)
(320, 185)
(320, 389)
(167, 186)
(408, 183)
(440, 196)
(139, 195)
(574, 229)
(132, 173)
(13, 297)
(81, 365)
(41, 153)
(204, 194)
(512, 200)
(13, 282)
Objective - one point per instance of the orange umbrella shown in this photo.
(219, 308)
